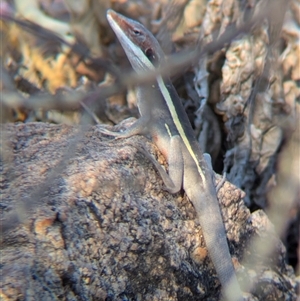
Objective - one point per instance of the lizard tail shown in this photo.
(214, 233)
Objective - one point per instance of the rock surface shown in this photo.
(85, 218)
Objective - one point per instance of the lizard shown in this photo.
(162, 116)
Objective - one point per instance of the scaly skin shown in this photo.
(164, 118)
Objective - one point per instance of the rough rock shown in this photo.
(85, 217)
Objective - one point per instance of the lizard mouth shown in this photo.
(132, 38)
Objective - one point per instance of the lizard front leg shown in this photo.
(137, 128)
(173, 180)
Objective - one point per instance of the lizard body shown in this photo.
(164, 118)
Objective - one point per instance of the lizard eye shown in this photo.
(136, 32)
(150, 55)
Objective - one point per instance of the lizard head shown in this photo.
(139, 44)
